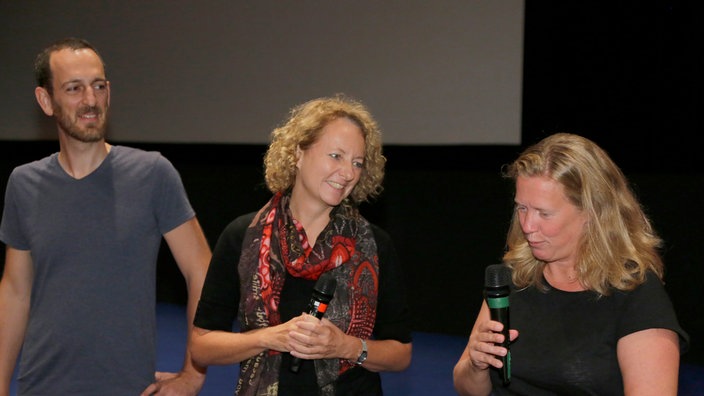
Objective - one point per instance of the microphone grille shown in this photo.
(326, 284)
(497, 275)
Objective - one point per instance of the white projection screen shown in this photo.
(432, 72)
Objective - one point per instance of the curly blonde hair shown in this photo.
(303, 128)
(619, 244)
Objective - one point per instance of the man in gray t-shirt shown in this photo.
(83, 229)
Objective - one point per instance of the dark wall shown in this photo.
(626, 75)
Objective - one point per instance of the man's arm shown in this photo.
(15, 292)
(191, 251)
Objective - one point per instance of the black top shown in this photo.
(567, 341)
(219, 304)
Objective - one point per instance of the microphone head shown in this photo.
(325, 286)
(497, 275)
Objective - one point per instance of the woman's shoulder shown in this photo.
(651, 283)
(380, 234)
(240, 223)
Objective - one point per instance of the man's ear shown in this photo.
(44, 100)
(108, 85)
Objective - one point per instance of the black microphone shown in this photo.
(322, 294)
(497, 278)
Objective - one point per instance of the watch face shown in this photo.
(363, 356)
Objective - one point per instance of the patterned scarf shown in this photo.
(275, 243)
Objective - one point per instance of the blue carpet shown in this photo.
(430, 373)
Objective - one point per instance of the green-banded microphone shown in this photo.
(497, 279)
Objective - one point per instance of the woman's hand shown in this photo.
(484, 344)
(471, 374)
(312, 338)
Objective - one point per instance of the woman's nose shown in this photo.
(528, 223)
(347, 171)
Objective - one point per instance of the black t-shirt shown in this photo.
(219, 304)
(567, 341)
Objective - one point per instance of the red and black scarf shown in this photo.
(275, 243)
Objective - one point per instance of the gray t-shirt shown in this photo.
(94, 244)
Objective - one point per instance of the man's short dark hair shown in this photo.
(42, 68)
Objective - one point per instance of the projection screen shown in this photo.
(433, 73)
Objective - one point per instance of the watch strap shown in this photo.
(362, 356)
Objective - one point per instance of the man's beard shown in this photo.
(93, 132)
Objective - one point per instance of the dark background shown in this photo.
(625, 74)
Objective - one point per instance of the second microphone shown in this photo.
(322, 294)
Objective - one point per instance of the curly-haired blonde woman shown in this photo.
(321, 163)
(587, 294)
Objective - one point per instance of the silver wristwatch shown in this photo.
(362, 356)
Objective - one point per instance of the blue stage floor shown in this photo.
(434, 356)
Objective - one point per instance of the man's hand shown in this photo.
(177, 384)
